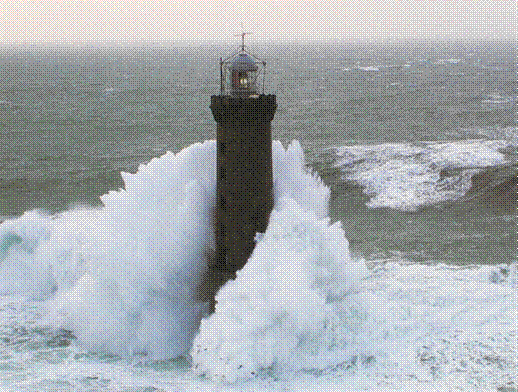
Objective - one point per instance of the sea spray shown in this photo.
(286, 310)
(122, 277)
(292, 179)
(409, 176)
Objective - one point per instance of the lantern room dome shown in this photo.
(243, 62)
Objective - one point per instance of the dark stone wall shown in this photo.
(245, 182)
(227, 109)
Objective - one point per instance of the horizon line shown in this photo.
(186, 43)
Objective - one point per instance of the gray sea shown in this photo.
(416, 146)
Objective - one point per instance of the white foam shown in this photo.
(448, 61)
(509, 134)
(130, 268)
(369, 69)
(408, 327)
(301, 315)
(497, 99)
(124, 275)
(407, 176)
(292, 180)
(285, 310)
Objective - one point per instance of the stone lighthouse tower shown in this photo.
(244, 165)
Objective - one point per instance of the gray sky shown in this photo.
(76, 22)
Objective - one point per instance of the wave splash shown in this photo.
(409, 176)
(123, 277)
(286, 310)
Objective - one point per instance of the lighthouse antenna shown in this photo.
(242, 35)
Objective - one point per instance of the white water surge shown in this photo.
(407, 176)
(301, 315)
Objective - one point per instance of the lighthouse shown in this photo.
(244, 195)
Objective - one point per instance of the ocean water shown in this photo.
(389, 262)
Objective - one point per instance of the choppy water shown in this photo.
(397, 271)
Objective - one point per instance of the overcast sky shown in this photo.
(76, 22)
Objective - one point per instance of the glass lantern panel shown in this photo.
(243, 80)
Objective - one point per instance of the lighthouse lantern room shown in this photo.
(240, 73)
